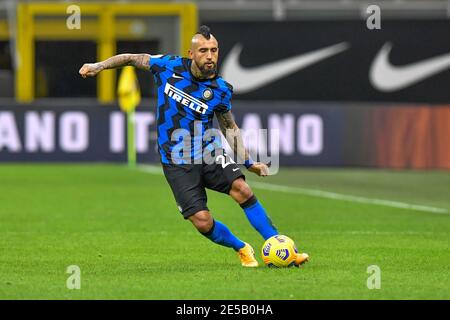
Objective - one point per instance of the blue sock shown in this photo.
(258, 218)
(220, 234)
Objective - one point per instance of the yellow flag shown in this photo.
(129, 92)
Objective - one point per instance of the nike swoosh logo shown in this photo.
(235, 169)
(176, 76)
(248, 79)
(388, 78)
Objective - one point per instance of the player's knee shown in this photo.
(241, 190)
(202, 220)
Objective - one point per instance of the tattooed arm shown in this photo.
(141, 61)
(233, 135)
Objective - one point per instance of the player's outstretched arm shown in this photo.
(233, 135)
(140, 61)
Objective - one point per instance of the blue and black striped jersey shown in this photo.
(185, 102)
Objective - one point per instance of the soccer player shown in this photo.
(190, 93)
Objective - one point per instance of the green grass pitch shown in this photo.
(122, 228)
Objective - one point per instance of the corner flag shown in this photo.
(129, 98)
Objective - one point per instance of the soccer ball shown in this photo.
(279, 251)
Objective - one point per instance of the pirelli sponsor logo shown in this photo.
(185, 99)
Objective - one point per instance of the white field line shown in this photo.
(346, 197)
(325, 194)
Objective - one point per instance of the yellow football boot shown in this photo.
(247, 256)
(301, 259)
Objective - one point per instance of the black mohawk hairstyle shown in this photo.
(205, 31)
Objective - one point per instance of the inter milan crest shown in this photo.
(207, 94)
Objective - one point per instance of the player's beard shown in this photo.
(208, 71)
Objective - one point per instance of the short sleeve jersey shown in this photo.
(187, 103)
